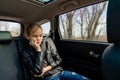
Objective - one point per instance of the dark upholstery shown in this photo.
(5, 35)
(111, 62)
(10, 67)
(111, 55)
(113, 21)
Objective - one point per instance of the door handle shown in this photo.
(93, 54)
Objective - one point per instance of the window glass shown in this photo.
(87, 23)
(12, 27)
(46, 27)
(44, 1)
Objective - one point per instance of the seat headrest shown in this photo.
(113, 23)
(5, 36)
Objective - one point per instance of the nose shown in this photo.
(38, 38)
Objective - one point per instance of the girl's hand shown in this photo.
(45, 69)
(35, 45)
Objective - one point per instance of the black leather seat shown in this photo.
(10, 67)
(111, 55)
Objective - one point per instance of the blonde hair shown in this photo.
(32, 26)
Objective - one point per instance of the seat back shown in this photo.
(10, 67)
(111, 55)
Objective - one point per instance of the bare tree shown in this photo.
(70, 23)
(89, 19)
(64, 26)
(67, 24)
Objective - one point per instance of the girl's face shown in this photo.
(36, 35)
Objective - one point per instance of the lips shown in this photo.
(38, 42)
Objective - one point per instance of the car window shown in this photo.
(46, 27)
(13, 27)
(87, 23)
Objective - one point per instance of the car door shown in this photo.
(80, 37)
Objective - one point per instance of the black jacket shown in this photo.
(33, 60)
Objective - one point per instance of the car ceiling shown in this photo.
(22, 11)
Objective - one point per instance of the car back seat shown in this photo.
(10, 66)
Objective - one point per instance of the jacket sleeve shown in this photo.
(55, 59)
(33, 66)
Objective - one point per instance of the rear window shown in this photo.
(46, 27)
(13, 27)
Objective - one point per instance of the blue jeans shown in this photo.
(67, 75)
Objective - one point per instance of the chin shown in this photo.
(39, 44)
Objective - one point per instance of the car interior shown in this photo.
(80, 51)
